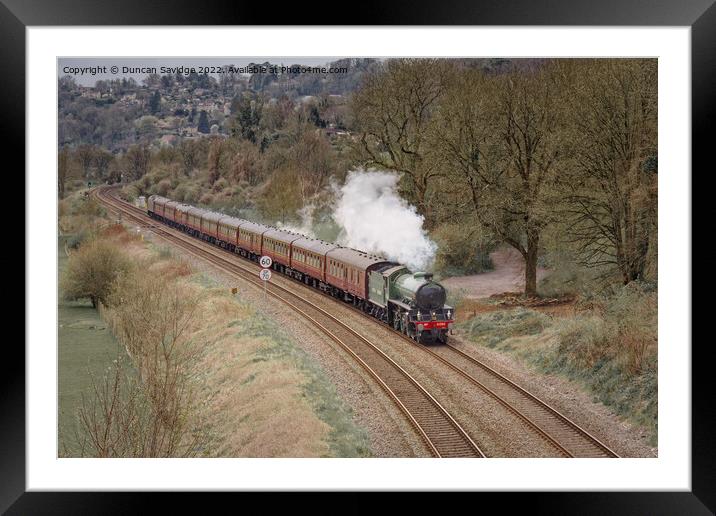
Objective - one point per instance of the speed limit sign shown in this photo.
(265, 262)
(265, 274)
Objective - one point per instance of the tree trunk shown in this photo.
(531, 264)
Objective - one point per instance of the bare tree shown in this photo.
(216, 159)
(146, 413)
(85, 157)
(392, 112)
(63, 165)
(102, 161)
(498, 138)
(190, 155)
(137, 158)
(246, 163)
(611, 193)
(312, 158)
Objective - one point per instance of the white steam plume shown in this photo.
(374, 218)
(306, 225)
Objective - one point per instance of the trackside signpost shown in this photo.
(265, 273)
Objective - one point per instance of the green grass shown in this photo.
(85, 346)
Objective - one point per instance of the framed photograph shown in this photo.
(433, 254)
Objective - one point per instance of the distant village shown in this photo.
(164, 110)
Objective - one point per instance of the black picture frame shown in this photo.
(700, 15)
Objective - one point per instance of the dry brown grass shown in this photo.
(255, 405)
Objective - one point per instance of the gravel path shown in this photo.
(507, 276)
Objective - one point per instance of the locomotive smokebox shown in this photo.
(430, 296)
(421, 290)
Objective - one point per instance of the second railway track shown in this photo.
(443, 436)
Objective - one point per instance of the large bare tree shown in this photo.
(612, 197)
(85, 157)
(498, 138)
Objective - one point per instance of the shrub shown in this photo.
(129, 193)
(566, 277)
(87, 207)
(92, 270)
(207, 199)
(494, 327)
(163, 187)
(220, 184)
(147, 414)
(192, 194)
(612, 349)
(462, 250)
(179, 193)
(585, 340)
(76, 240)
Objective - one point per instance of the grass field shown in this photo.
(85, 346)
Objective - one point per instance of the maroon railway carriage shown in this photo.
(169, 212)
(156, 206)
(277, 245)
(347, 271)
(193, 220)
(228, 232)
(151, 207)
(181, 215)
(210, 225)
(249, 240)
(308, 260)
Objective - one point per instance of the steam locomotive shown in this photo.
(410, 302)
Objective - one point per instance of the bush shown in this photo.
(129, 193)
(192, 194)
(163, 187)
(565, 277)
(87, 207)
(462, 250)
(220, 184)
(179, 193)
(612, 349)
(76, 240)
(207, 199)
(92, 270)
(494, 327)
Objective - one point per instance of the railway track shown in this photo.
(563, 434)
(443, 436)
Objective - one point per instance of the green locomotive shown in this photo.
(412, 303)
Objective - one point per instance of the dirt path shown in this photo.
(507, 276)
